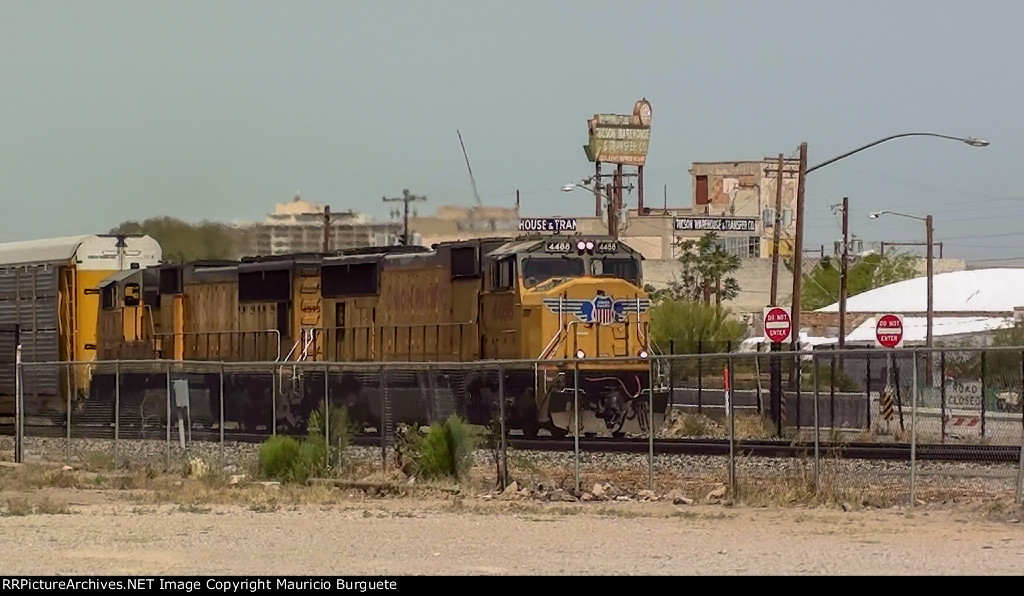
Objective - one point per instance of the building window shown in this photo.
(701, 197)
(744, 247)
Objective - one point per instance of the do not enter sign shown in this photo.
(889, 331)
(777, 324)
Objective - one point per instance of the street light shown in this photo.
(613, 215)
(927, 219)
(973, 142)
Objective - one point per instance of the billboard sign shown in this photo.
(620, 139)
(547, 224)
(715, 224)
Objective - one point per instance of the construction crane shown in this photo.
(476, 195)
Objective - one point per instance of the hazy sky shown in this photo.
(217, 110)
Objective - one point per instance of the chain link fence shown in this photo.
(868, 427)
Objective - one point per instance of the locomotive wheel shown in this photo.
(530, 429)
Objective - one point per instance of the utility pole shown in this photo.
(406, 198)
(798, 256)
(776, 233)
(327, 229)
(774, 365)
(842, 272)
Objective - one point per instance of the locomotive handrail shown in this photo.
(185, 334)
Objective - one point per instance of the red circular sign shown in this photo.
(777, 324)
(889, 331)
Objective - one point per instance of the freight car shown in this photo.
(562, 302)
(50, 290)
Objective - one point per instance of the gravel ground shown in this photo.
(161, 522)
(404, 536)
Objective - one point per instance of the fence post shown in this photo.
(222, 414)
(576, 422)
(19, 407)
(117, 408)
(168, 415)
(899, 391)
(275, 377)
(817, 458)
(671, 376)
(700, 376)
(502, 454)
(1020, 463)
(650, 422)
(67, 446)
(383, 421)
(730, 410)
(832, 392)
(942, 393)
(327, 417)
(867, 390)
(913, 428)
(983, 388)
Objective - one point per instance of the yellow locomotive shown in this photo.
(556, 307)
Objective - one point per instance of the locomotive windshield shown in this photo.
(540, 269)
(622, 267)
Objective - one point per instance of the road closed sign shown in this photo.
(889, 331)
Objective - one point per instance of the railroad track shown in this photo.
(706, 447)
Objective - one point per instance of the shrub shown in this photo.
(310, 462)
(446, 449)
(340, 431)
(289, 460)
(277, 457)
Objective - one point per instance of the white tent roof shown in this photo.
(979, 290)
(915, 329)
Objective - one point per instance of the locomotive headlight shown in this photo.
(590, 245)
(581, 245)
(581, 354)
(643, 354)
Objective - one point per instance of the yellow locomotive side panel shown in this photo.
(500, 334)
(211, 312)
(257, 319)
(351, 332)
(307, 309)
(464, 330)
(414, 315)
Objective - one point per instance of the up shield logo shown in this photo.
(602, 309)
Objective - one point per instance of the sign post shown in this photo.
(778, 325)
(889, 334)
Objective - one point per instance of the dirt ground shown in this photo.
(54, 522)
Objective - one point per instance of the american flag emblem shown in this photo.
(604, 310)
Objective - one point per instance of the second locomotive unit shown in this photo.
(556, 307)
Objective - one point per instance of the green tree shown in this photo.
(691, 326)
(705, 270)
(184, 241)
(821, 286)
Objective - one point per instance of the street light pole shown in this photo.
(930, 272)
